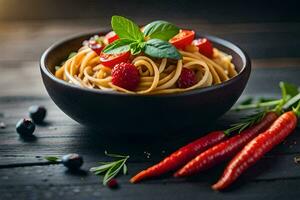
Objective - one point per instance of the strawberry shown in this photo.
(187, 78)
(125, 75)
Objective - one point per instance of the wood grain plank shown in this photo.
(46, 185)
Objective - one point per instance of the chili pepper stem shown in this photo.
(296, 110)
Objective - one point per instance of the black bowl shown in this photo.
(119, 113)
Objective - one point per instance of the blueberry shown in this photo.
(72, 161)
(25, 127)
(37, 113)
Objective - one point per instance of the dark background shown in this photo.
(206, 11)
(269, 31)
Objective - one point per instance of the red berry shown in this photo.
(187, 78)
(113, 184)
(95, 46)
(125, 75)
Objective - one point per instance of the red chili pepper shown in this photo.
(258, 147)
(225, 149)
(181, 156)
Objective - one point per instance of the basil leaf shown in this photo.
(126, 29)
(118, 46)
(161, 30)
(137, 47)
(161, 49)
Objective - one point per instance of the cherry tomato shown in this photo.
(182, 39)
(205, 47)
(95, 46)
(110, 60)
(111, 36)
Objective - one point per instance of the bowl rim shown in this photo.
(244, 56)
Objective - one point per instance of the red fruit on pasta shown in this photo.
(205, 47)
(111, 37)
(95, 46)
(187, 78)
(125, 75)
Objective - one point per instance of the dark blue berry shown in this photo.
(37, 113)
(72, 161)
(25, 127)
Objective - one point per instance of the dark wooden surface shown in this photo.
(269, 33)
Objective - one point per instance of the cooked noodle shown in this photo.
(158, 76)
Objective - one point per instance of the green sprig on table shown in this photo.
(111, 169)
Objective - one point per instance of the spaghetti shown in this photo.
(156, 75)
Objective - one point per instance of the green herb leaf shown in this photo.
(57, 68)
(111, 169)
(246, 122)
(137, 47)
(118, 46)
(126, 29)
(101, 168)
(72, 54)
(161, 30)
(125, 169)
(53, 159)
(247, 101)
(161, 49)
(288, 90)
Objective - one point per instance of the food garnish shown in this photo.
(187, 78)
(125, 75)
(111, 169)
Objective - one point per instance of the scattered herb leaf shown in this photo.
(53, 159)
(111, 169)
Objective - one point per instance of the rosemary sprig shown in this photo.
(111, 169)
(289, 95)
(246, 122)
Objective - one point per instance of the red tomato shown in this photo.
(182, 39)
(205, 47)
(96, 47)
(111, 36)
(110, 60)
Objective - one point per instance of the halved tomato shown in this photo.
(95, 46)
(183, 38)
(110, 60)
(111, 36)
(205, 47)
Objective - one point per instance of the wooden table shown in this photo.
(25, 175)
